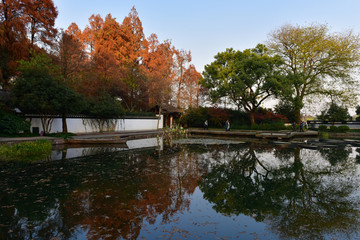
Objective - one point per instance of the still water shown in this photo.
(185, 191)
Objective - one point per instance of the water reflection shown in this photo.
(291, 193)
(298, 194)
(66, 152)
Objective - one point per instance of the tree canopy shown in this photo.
(316, 61)
(24, 24)
(335, 113)
(38, 90)
(246, 78)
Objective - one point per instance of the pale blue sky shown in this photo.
(208, 27)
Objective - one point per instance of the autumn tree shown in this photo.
(247, 78)
(116, 51)
(191, 89)
(316, 61)
(131, 50)
(39, 16)
(107, 45)
(123, 63)
(88, 36)
(23, 23)
(71, 57)
(157, 64)
(13, 41)
(182, 58)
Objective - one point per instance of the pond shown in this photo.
(197, 189)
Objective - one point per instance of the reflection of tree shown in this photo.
(335, 155)
(296, 200)
(149, 188)
(107, 196)
(358, 156)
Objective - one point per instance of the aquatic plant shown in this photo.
(175, 132)
(26, 151)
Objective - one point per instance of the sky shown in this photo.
(206, 27)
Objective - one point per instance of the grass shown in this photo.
(26, 151)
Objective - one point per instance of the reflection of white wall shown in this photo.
(144, 143)
(80, 125)
(87, 151)
(67, 153)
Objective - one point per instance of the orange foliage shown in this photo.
(182, 58)
(22, 23)
(192, 89)
(39, 17)
(157, 63)
(71, 57)
(131, 47)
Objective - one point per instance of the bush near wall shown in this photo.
(333, 128)
(12, 124)
(343, 129)
(322, 128)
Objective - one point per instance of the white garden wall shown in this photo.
(91, 125)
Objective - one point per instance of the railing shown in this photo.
(350, 124)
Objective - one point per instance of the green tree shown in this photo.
(107, 107)
(247, 78)
(335, 113)
(316, 62)
(358, 113)
(38, 91)
(287, 109)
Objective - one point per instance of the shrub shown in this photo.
(195, 117)
(26, 151)
(218, 116)
(269, 117)
(140, 114)
(12, 124)
(343, 128)
(107, 107)
(322, 128)
(333, 128)
(176, 132)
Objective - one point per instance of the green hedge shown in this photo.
(322, 128)
(343, 128)
(333, 128)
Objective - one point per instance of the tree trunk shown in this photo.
(297, 116)
(252, 118)
(64, 124)
(159, 117)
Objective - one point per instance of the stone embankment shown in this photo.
(255, 134)
(319, 143)
(94, 138)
